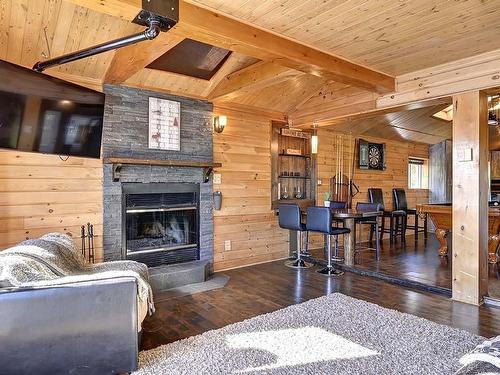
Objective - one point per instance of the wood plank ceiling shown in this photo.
(391, 36)
(416, 125)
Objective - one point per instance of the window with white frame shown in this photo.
(418, 173)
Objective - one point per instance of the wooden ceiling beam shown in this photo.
(125, 9)
(218, 30)
(245, 112)
(131, 59)
(478, 72)
(232, 64)
(213, 28)
(254, 77)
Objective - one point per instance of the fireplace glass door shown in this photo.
(161, 228)
(165, 223)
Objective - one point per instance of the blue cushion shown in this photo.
(290, 217)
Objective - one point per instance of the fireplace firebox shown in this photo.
(160, 223)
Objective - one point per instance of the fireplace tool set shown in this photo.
(87, 237)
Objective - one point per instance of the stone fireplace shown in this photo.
(158, 215)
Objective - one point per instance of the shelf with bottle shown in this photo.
(296, 177)
(293, 167)
(296, 194)
(294, 156)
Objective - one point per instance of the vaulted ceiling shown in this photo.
(385, 38)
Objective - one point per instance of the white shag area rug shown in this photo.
(335, 334)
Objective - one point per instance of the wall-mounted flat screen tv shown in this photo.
(39, 113)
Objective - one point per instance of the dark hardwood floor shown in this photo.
(413, 260)
(417, 261)
(263, 288)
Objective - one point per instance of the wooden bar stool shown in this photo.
(397, 217)
(290, 218)
(400, 203)
(319, 219)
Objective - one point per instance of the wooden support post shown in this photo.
(470, 197)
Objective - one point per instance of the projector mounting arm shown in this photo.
(155, 24)
(150, 33)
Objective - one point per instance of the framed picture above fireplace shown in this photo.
(164, 124)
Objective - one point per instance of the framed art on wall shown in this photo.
(164, 124)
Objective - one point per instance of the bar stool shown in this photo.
(397, 217)
(290, 218)
(319, 219)
(372, 222)
(335, 205)
(400, 203)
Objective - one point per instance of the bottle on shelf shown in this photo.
(284, 194)
(298, 194)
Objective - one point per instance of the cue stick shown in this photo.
(83, 240)
(341, 163)
(349, 189)
(340, 168)
(337, 169)
(335, 176)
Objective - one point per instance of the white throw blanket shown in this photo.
(54, 260)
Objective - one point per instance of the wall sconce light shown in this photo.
(314, 140)
(220, 123)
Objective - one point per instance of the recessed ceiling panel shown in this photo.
(192, 58)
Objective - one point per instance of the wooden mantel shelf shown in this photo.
(118, 162)
(167, 163)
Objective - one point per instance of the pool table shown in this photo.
(441, 216)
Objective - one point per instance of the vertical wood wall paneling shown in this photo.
(40, 194)
(470, 197)
(246, 218)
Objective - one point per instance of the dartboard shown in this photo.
(374, 157)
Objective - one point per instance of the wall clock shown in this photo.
(371, 155)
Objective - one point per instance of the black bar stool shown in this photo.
(319, 219)
(400, 203)
(397, 217)
(372, 222)
(290, 218)
(335, 205)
